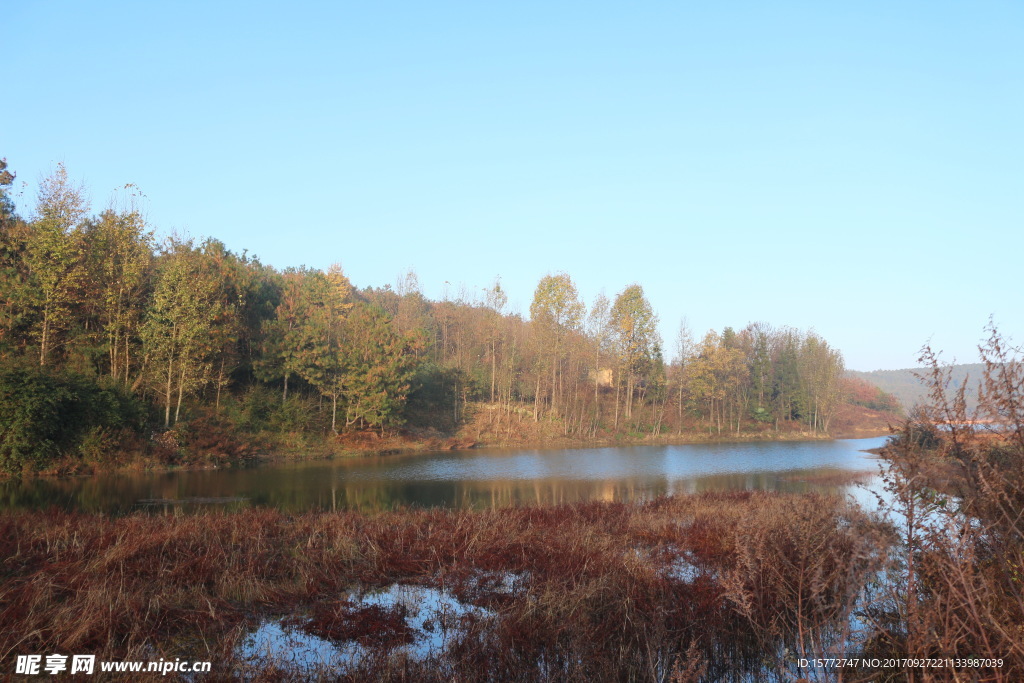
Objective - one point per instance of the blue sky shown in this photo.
(856, 168)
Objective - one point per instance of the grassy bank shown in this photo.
(225, 438)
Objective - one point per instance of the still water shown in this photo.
(473, 478)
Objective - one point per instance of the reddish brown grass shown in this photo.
(600, 596)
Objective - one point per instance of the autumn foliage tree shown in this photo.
(557, 312)
(635, 328)
(192, 326)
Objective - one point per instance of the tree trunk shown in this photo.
(181, 390)
(334, 412)
(493, 367)
(112, 343)
(551, 408)
(680, 429)
(45, 338)
(167, 395)
(629, 396)
(618, 382)
(127, 364)
(220, 382)
(536, 400)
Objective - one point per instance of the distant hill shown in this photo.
(910, 390)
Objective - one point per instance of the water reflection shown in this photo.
(474, 479)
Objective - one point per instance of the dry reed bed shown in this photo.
(715, 583)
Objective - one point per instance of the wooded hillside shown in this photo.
(191, 329)
(910, 389)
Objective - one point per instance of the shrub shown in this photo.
(212, 438)
(957, 477)
(45, 416)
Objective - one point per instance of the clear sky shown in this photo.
(856, 167)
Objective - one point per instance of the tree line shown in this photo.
(183, 323)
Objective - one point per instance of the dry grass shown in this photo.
(956, 588)
(714, 583)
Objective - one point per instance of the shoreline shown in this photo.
(324, 451)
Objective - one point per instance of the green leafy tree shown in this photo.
(118, 255)
(785, 376)
(280, 336)
(377, 366)
(757, 347)
(54, 257)
(6, 203)
(236, 279)
(17, 297)
(320, 358)
(303, 338)
(181, 317)
(45, 416)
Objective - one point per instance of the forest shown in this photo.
(115, 340)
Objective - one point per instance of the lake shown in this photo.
(473, 478)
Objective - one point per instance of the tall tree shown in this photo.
(412, 310)
(684, 355)
(54, 256)
(286, 336)
(495, 300)
(757, 347)
(734, 377)
(177, 331)
(635, 326)
(231, 274)
(376, 365)
(320, 357)
(6, 203)
(118, 256)
(785, 375)
(556, 311)
(16, 295)
(820, 370)
(602, 335)
(704, 380)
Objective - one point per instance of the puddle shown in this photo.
(290, 647)
(432, 620)
(683, 570)
(674, 564)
